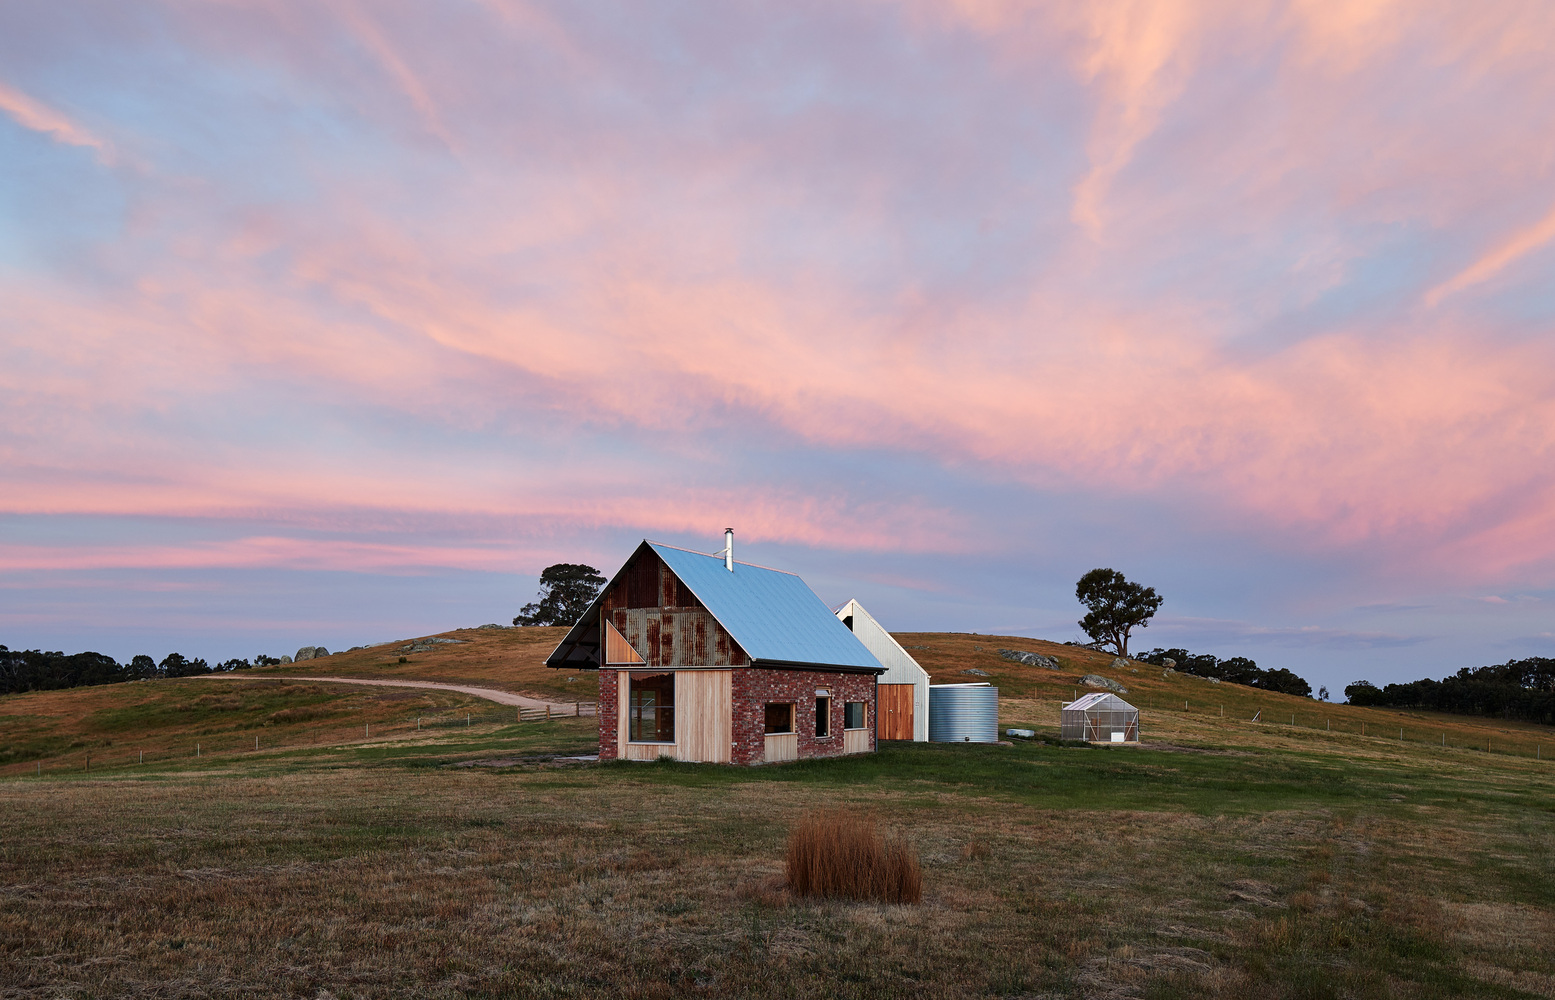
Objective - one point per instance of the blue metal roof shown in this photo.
(773, 615)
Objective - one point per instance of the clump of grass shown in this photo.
(844, 856)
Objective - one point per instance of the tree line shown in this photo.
(1516, 689)
(1235, 670)
(38, 670)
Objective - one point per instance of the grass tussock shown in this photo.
(840, 855)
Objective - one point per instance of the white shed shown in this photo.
(903, 690)
(1100, 717)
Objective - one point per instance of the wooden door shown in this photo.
(896, 711)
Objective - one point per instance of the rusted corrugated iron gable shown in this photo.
(678, 637)
(646, 582)
(657, 613)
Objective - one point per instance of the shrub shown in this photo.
(840, 855)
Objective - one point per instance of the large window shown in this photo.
(853, 715)
(780, 719)
(822, 717)
(652, 708)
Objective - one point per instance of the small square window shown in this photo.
(780, 719)
(822, 717)
(853, 715)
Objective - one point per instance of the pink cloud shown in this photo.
(626, 274)
(33, 114)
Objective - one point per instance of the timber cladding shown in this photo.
(703, 715)
(896, 711)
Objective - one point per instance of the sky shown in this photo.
(333, 322)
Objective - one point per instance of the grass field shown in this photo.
(1224, 858)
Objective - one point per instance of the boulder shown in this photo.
(975, 672)
(285, 658)
(422, 645)
(1119, 663)
(1030, 659)
(1098, 681)
(306, 653)
(1169, 663)
(319, 651)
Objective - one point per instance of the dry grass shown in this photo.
(509, 659)
(1224, 859)
(118, 725)
(841, 855)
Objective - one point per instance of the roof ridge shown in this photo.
(719, 555)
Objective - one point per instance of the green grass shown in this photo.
(1226, 859)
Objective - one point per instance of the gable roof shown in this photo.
(898, 662)
(1099, 701)
(774, 616)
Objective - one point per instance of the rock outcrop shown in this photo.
(1030, 659)
(422, 645)
(1098, 681)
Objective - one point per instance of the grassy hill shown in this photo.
(1223, 858)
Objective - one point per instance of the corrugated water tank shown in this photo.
(963, 713)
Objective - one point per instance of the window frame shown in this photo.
(863, 711)
(823, 716)
(793, 713)
(634, 707)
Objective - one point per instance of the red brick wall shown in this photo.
(609, 706)
(754, 687)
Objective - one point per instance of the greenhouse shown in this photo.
(1100, 718)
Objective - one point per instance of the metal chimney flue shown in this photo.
(729, 549)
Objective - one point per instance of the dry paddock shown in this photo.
(561, 881)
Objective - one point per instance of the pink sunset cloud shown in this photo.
(857, 277)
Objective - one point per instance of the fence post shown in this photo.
(467, 720)
(577, 709)
(547, 711)
(197, 749)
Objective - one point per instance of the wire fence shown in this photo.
(1506, 742)
(330, 733)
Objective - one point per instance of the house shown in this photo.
(703, 658)
(903, 688)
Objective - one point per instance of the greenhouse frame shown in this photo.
(1100, 718)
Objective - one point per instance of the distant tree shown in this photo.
(265, 660)
(1363, 693)
(1115, 607)
(566, 591)
(233, 664)
(178, 665)
(1236, 670)
(142, 668)
(1282, 680)
(1322, 693)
